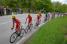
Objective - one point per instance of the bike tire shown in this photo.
(22, 33)
(31, 27)
(27, 28)
(11, 37)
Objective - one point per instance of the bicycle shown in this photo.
(29, 27)
(45, 19)
(37, 24)
(15, 35)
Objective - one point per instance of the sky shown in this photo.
(62, 1)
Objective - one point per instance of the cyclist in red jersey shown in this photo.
(39, 17)
(29, 19)
(16, 23)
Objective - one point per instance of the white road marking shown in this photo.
(4, 23)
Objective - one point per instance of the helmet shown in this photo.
(37, 14)
(13, 17)
(29, 14)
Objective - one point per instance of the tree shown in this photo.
(59, 7)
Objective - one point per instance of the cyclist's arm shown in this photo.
(13, 24)
(26, 19)
(37, 18)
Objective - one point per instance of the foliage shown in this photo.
(58, 7)
(47, 5)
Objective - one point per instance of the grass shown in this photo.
(50, 33)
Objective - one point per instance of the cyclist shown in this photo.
(39, 16)
(29, 19)
(46, 15)
(16, 23)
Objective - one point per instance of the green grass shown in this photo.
(50, 33)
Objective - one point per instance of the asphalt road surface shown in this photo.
(6, 24)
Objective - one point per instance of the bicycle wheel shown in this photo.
(27, 28)
(36, 25)
(13, 37)
(31, 26)
(22, 33)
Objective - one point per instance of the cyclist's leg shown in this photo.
(46, 18)
(29, 25)
(37, 22)
(18, 30)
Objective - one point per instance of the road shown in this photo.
(6, 23)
